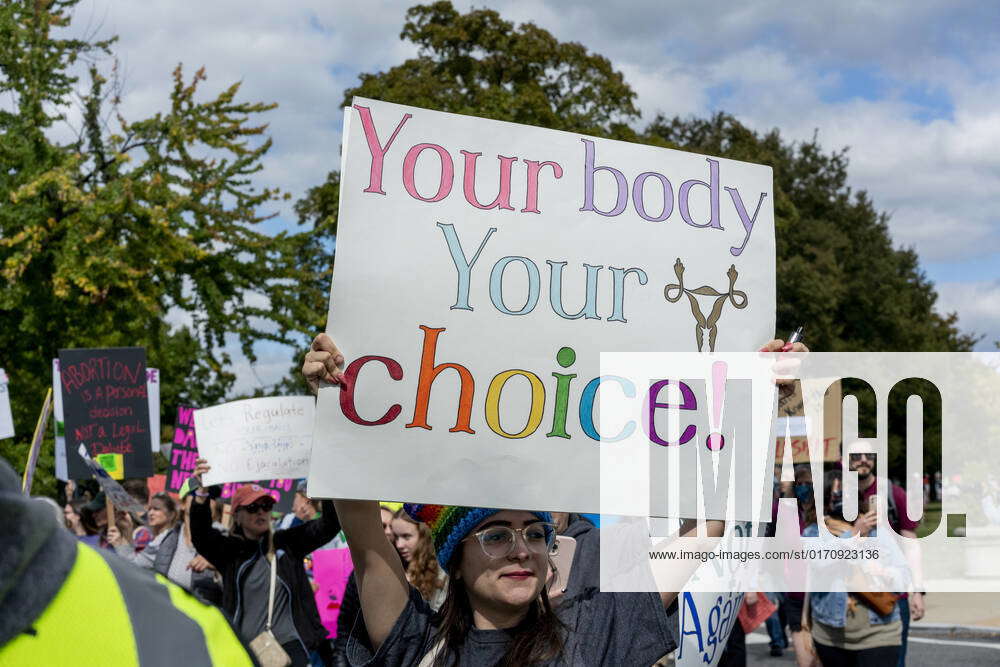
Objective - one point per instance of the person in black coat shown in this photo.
(242, 560)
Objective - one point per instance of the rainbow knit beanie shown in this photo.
(450, 524)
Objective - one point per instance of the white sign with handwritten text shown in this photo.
(256, 438)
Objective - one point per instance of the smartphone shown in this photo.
(561, 557)
(873, 503)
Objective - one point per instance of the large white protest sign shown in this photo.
(6, 418)
(256, 438)
(483, 266)
(58, 423)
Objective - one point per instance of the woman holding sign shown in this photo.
(252, 554)
(496, 610)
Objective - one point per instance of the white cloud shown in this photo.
(978, 306)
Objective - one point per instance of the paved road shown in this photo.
(923, 652)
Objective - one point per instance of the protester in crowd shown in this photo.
(802, 643)
(790, 603)
(72, 518)
(94, 517)
(416, 548)
(244, 558)
(63, 603)
(85, 489)
(496, 609)
(776, 622)
(910, 606)
(304, 507)
(91, 532)
(171, 552)
(138, 488)
(846, 630)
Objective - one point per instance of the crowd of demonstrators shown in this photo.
(171, 550)
(496, 609)
(246, 559)
(63, 603)
(440, 585)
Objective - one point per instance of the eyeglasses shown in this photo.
(253, 508)
(499, 541)
(864, 455)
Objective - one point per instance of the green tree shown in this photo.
(107, 237)
(479, 64)
(474, 63)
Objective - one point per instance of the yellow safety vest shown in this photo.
(109, 612)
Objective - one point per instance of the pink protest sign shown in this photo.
(331, 570)
(183, 451)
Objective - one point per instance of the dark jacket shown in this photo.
(585, 575)
(585, 572)
(232, 556)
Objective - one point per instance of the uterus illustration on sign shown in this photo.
(673, 293)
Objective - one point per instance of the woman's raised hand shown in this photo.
(200, 468)
(323, 363)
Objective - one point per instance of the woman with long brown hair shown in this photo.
(496, 611)
(415, 545)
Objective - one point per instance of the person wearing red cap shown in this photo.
(243, 560)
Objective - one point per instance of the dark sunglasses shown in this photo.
(255, 507)
(858, 457)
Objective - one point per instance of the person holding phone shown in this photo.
(847, 630)
(911, 606)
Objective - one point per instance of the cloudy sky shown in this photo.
(913, 90)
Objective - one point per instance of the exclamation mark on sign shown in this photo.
(715, 440)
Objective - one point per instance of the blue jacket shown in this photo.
(830, 608)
